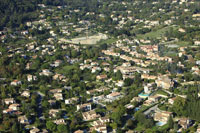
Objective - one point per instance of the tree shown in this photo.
(128, 81)
(62, 128)
(15, 128)
(74, 53)
(176, 127)
(148, 123)
(113, 125)
(37, 122)
(76, 78)
(197, 56)
(130, 124)
(103, 46)
(94, 131)
(171, 122)
(179, 106)
(73, 124)
(118, 114)
(150, 131)
(51, 126)
(117, 76)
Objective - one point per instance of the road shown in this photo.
(170, 93)
(151, 109)
(40, 111)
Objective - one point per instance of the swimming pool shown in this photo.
(160, 123)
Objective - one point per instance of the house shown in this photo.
(97, 123)
(67, 87)
(90, 115)
(151, 100)
(53, 112)
(60, 121)
(56, 91)
(44, 131)
(128, 76)
(24, 32)
(113, 96)
(182, 49)
(46, 72)
(126, 64)
(142, 70)
(184, 123)
(97, 99)
(79, 131)
(100, 128)
(90, 92)
(105, 64)
(129, 106)
(154, 98)
(102, 89)
(94, 64)
(198, 129)
(35, 130)
(171, 100)
(26, 94)
(137, 99)
(31, 78)
(162, 116)
(104, 119)
(59, 77)
(195, 68)
(180, 54)
(148, 102)
(101, 121)
(109, 52)
(14, 107)
(101, 77)
(28, 24)
(82, 67)
(23, 120)
(84, 107)
(196, 15)
(181, 30)
(198, 62)
(9, 101)
(16, 82)
(197, 42)
(71, 100)
(120, 83)
(57, 63)
(94, 69)
(164, 82)
(52, 102)
(58, 96)
(87, 61)
(148, 88)
(28, 66)
(8, 111)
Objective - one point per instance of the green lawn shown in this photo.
(162, 92)
(182, 43)
(159, 32)
(108, 41)
(163, 128)
(139, 128)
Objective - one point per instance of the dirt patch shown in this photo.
(86, 40)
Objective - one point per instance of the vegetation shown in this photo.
(152, 50)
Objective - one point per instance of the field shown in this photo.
(155, 33)
(108, 41)
(87, 40)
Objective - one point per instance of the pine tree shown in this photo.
(171, 122)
